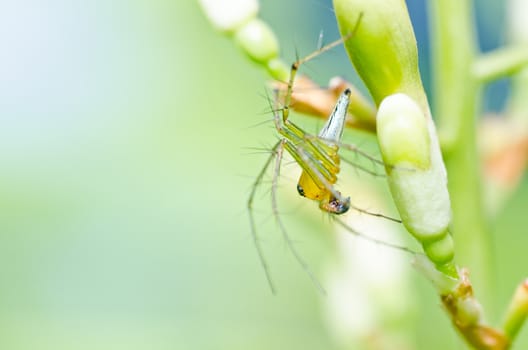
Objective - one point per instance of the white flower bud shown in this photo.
(228, 15)
(416, 172)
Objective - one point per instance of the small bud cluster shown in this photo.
(238, 19)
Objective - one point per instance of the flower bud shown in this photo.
(228, 15)
(440, 251)
(258, 41)
(383, 46)
(402, 133)
(416, 174)
(277, 69)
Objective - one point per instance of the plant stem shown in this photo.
(500, 63)
(456, 94)
(517, 311)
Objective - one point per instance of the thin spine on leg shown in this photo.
(285, 235)
(308, 163)
(258, 181)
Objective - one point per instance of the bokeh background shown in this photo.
(125, 151)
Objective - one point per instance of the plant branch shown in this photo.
(456, 95)
(500, 63)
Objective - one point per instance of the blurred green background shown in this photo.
(124, 145)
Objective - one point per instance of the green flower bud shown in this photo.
(417, 177)
(440, 251)
(383, 48)
(469, 312)
(258, 41)
(402, 133)
(278, 70)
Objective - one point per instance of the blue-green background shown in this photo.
(124, 136)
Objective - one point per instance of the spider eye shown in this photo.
(336, 206)
(300, 190)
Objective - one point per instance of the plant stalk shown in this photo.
(456, 96)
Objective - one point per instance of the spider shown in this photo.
(320, 162)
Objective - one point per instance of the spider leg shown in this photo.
(356, 233)
(296, 65)
(282, 228)
(277, 149)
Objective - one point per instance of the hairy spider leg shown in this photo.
(277, 153)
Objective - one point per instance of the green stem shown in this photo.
(517, 311)
(500, 63)
(456, 94)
